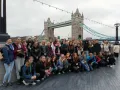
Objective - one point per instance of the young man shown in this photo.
(28, 72)
(92, 61)
(8, 54)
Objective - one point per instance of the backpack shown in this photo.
(1, 54)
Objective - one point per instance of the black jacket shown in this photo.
(96, 48)
(64, 49)
(36, 53)
(71, 49)
(44, 50)
(40, 67)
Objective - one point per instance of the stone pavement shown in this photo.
(105, 78)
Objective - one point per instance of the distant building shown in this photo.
(24, 37)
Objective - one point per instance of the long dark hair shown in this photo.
(75, 57)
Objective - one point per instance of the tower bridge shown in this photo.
(77, 30)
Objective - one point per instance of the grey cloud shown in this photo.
(25, 17)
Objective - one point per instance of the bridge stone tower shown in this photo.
(77, 29)
(49, 31)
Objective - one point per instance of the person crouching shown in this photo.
(111, 60)
(75, 63)
(49, 66)
(28, 72)
(83, 62)
(60, 64)
(54, 65)
(92, 61)
(41, 68)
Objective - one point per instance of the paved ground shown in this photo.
(99, 79)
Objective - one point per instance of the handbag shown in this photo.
(20, 54)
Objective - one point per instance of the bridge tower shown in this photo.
(49, 32)
(77, 29)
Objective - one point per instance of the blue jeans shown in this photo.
(8, 69)
(85, 66)
(87, 53)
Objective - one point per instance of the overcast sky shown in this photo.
(26, 17)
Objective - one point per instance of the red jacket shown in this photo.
(16, 48)
(98, 59)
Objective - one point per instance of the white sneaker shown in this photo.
(33, 83)
(26, 84)
(111, 66)
(59, 73)
(43, 78)
(38, 81)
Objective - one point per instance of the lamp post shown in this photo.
(117, 25)
(3, 32)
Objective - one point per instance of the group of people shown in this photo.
(34, 61)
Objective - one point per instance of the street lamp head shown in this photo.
(117, 24)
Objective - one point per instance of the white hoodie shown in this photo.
(116, 48)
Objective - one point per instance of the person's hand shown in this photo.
(76, 63)
(32, 77)
(46, 71)
(36, 57)
(18, 50)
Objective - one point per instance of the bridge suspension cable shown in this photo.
(71, 13)
(103, 35)
(94, 33)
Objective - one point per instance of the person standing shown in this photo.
(19, 53)
(44, 49)
(36, 52)
(50, 51)
(105, 47)
(96, 47)
(86, 47)
(57, 49)
(29, 45)
(64, 48)
(8, 54)
(71, 48)
(116, 50)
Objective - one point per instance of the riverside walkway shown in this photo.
(104, 78)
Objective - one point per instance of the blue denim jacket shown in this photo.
(28, 72)
(8, 54)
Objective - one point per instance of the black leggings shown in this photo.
(42, 74)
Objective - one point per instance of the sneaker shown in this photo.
(38, 80)
(4, 84)
(33, 83)
(26, 84)
(10, 84)
(43, 79)
(59, 73)
(111, 66)
(63, 72)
